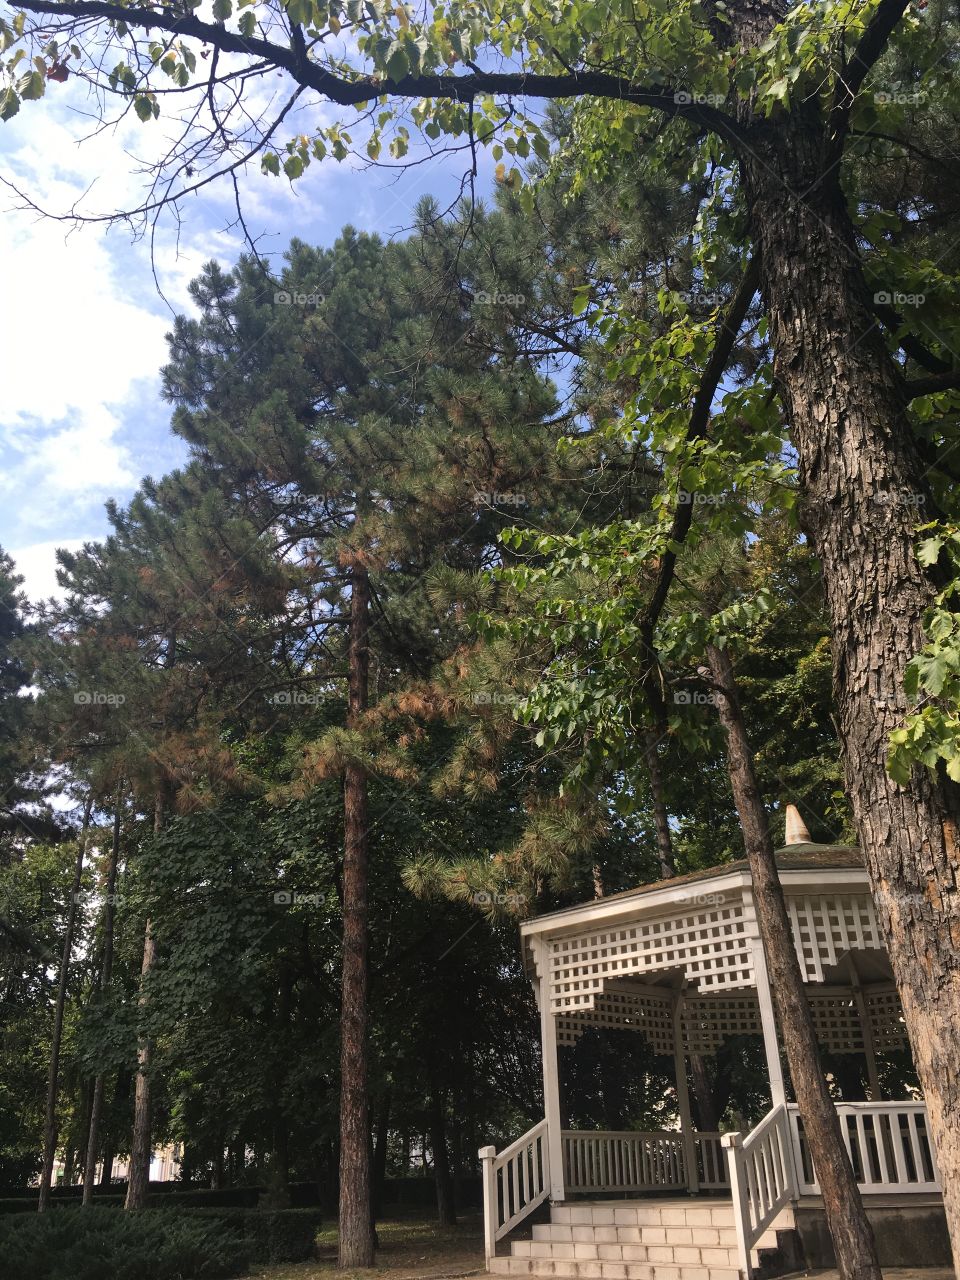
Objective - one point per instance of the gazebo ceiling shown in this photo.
(701, 930)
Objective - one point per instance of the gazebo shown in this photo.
(681, 963)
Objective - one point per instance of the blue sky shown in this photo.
(81, 419)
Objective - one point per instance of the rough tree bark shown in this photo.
(53, 1076)
(661, 818)
(356, 1234)
(106, 970)
(850, 1231)
(862, 487)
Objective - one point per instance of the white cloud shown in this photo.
(37, 565)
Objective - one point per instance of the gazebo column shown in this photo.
(768, 1025)
(551, 1088)
(683, 1099)
(869, 1052)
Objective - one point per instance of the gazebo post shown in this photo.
(683, 1099)
(551, 1089)
(768, 1025)
(869, 1052)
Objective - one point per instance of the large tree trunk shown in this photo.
(862, 494)
(106, 970)
(138, 1177)
(53, 1076)
(850, 1231)
(356, 1233)
(661, 819)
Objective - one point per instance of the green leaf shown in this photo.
(397, 65)
(929, 550)
(293, 167)
(270, 163)
(222, 9)
(143, 107)
(9, 104)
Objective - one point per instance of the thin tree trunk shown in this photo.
(446, 1209)
(380, 1154)
(852, 1235)
(53, 1077)
(703, 1095)
(138, 1176)
(661, 819)
(106, 971)
(356, 1234)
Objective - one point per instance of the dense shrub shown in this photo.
(204, 1198)
(105, 1244)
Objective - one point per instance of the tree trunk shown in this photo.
(708, 1117)
(661, 818)
(862, 494)
(106, 970)
(53, 1076)
(356, 1234)
(380, 1154)
(138, 1177)
(850, 1231)
(446, 1208)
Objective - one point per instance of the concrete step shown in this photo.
(649, 1214)
(668, 1253)
(590, 1269)
(564, 1232)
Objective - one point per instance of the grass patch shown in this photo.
(411, 1248)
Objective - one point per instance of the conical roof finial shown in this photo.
(796, 828)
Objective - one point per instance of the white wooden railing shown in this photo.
(888, 1144)
(514, 1183)
(763, 1179)
(628, 1160)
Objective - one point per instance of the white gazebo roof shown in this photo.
(688, 949)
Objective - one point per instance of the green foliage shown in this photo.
(106, 1244)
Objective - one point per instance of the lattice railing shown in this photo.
(888, 1144)
(628, 1160)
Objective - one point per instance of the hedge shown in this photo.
(104, 1244)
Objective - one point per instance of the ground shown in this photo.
(889, 1273)
(410, 1249)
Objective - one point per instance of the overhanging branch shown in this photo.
(352, 91)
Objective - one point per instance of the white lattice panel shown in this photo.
(708, 1022)
(837, 1022)
(648, 1013)
(886, 1019)
(710, 946)
(828, 926)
